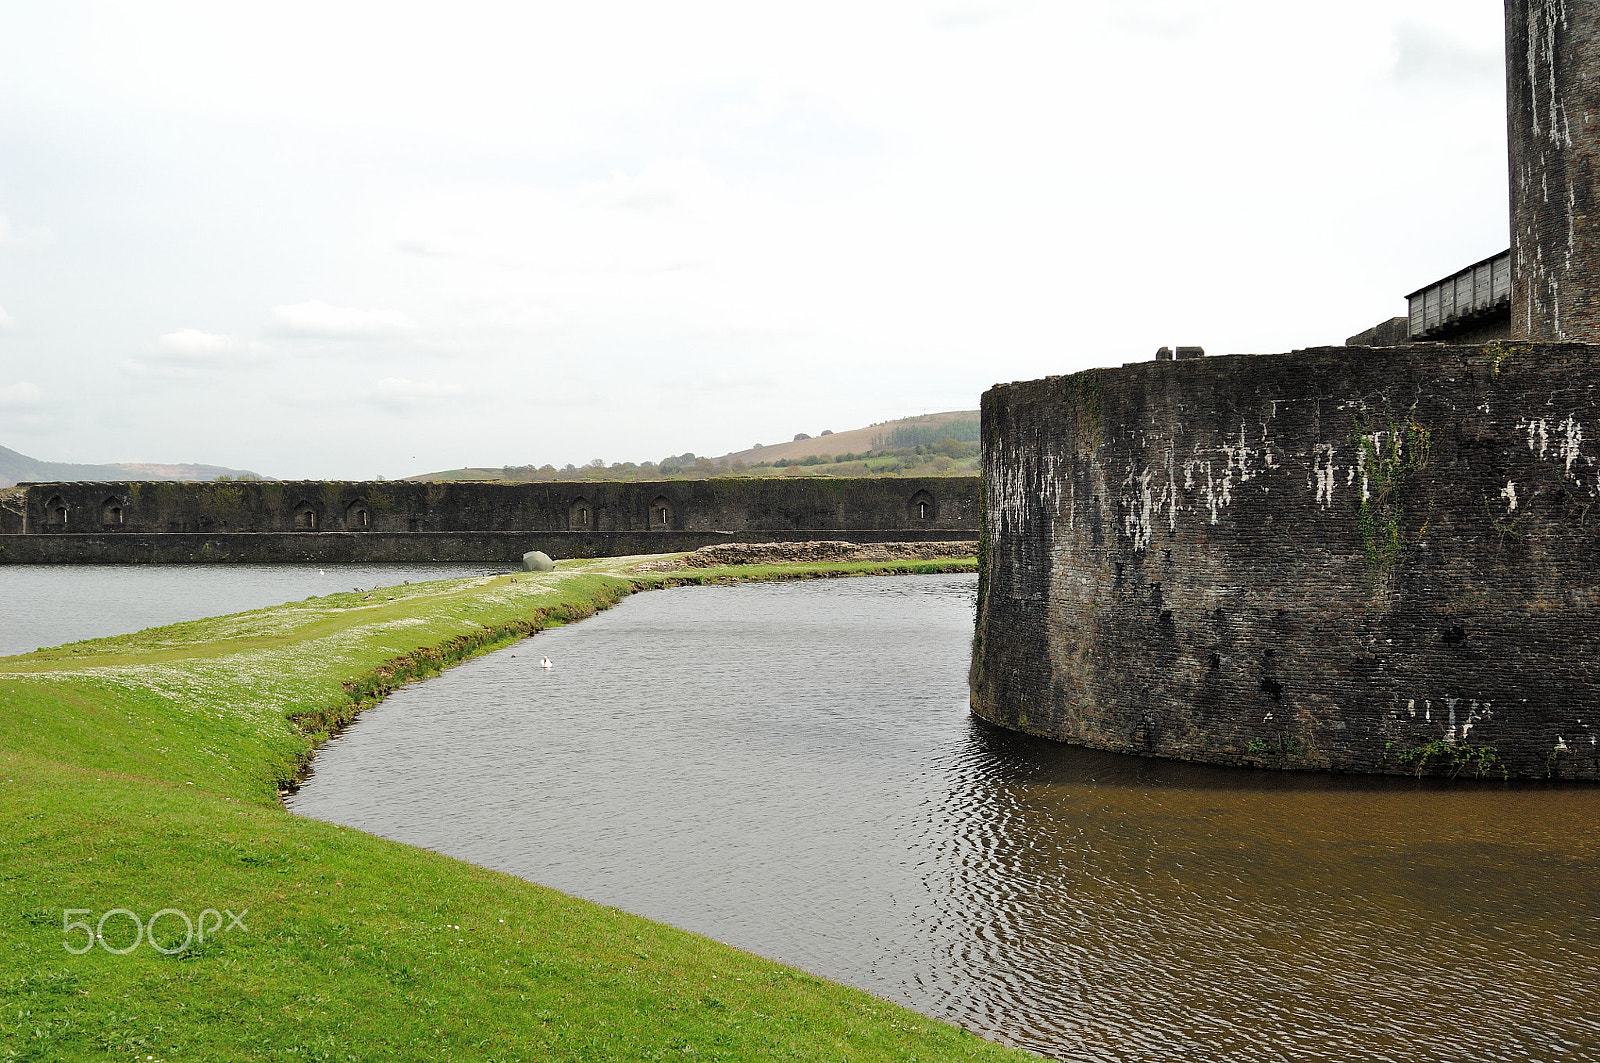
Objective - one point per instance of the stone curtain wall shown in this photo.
(1553, 116)
(354, 521)
(1362, 560)
(13, 503)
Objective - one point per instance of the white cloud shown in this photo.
(596, 240)
(316, 318)
(964, 16)
(20, 396)
(191, 344)
(717, 383)
(166, 370)
(7, 322)
(663, 183)
(189, 351)
(1168, 20)
(399, 389)
(24, 236)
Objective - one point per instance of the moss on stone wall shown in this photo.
(1082, 394)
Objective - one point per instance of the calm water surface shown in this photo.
(791, 768)
(47, 605)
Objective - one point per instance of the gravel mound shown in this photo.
(805, 553)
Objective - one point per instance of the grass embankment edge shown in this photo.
(356, 948)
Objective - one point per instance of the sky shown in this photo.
(342, 240)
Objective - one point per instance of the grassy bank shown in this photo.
(142, 773)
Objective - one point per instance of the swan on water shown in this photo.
(544, 662)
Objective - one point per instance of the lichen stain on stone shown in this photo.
(1567, 437)
(1322, 469)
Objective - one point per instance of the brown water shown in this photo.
(791, 768)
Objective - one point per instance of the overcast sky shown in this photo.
(344, 240)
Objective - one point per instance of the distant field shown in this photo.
(893, 448)
(855, 441)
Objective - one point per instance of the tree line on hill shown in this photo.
(903, 453)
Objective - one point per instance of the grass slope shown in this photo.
(142, 772)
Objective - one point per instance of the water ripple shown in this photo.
(791, 769)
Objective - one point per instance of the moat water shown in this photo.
(47, 605)
(791, 768)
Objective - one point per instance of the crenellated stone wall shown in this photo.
(1373, 560)
(354, 521)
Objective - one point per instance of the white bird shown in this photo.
(321, 573)
(544, 662)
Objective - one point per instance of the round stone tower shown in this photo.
(1553, 123)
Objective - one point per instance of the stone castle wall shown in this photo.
(1553, 127)
(1373, 560)
(356, 521)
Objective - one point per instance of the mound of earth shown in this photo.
(807, 553)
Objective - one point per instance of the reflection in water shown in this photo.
(791, 768)
(1124, 909)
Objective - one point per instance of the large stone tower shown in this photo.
(1553, 122)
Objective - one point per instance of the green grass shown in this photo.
(142, 772)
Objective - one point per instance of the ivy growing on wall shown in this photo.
(1499, 352)
(1392, 450)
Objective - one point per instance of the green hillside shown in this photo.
(938, 444)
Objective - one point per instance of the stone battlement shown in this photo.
(368, 521)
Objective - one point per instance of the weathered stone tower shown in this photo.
(1364, 558)
(1553, 124)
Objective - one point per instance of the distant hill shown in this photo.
(16, 468)
(906, 432)
(910, 446)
